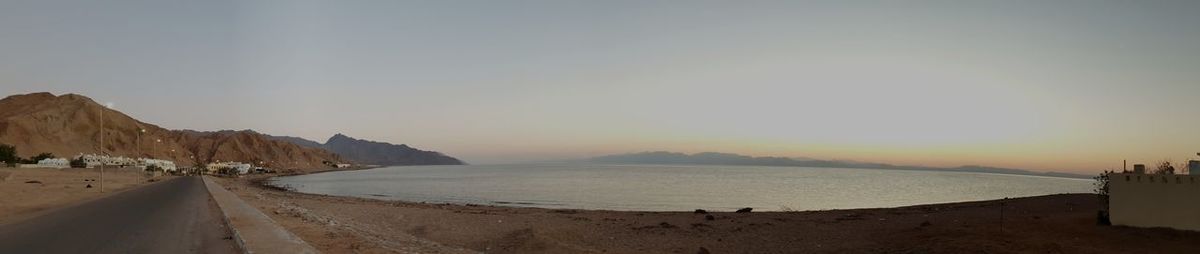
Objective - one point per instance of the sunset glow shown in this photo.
(1059, 86)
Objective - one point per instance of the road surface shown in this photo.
(174, 216)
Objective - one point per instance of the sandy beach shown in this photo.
(1045, 224)
(29, 191)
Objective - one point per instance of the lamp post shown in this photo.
(194, 164)
(172, 156)
(139, 141)
(102, 150)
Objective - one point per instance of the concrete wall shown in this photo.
(1142, 200)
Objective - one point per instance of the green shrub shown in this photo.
(78, 163)
(8, 154)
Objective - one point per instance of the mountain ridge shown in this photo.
(715, 158)
(70, 124)
(375, 152)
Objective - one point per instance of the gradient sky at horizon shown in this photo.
(1072, 86)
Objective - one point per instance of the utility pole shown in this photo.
(102, 108)
(139, 141)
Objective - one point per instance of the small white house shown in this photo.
(1153, 200)
(54, 163)
(1193, 167)
(165, 165)
(240, 168)
(93, 160)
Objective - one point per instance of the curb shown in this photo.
(253, 231)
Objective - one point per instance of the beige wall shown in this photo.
(1148, 201)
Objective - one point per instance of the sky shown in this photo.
(1072, 86)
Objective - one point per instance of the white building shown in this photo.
(165, 165)
(1150, 200)
(1193, 167)
(93, 160)
(54, 163)
(240, 168)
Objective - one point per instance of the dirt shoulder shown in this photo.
(1054, 224)
(28, 192)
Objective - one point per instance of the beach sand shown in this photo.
(55, 188)
(1046, 224)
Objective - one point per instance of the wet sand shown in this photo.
(1045, 224)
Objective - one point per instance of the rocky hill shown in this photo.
(300, 141)
(69, 124)
(376, 153)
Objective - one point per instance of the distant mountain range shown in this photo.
(711, 158)
(70, 124)
(375, 153)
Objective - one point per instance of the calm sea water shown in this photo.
(675, 188)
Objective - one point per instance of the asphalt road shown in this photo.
(174, 216)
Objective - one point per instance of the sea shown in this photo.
(675, 187)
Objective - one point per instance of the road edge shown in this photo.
(253, 231)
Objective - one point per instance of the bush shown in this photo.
(78, 163)
(153, 168)
(40, 157)
(8, 154)
(1164, 167)
(1101, 188)
(43, 156)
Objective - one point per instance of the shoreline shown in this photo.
(1062, 222)
(1070, 176)
(264, 183)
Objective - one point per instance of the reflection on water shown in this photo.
(675, 187)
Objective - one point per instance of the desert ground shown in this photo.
(1045, 224)
(26, 192)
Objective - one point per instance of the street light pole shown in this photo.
(193, 158)
(102, 148)
(139, 141)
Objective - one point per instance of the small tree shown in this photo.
(1101, 189)
(41, 157)
(78, 163)
(1165, 167)
(8, 154)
